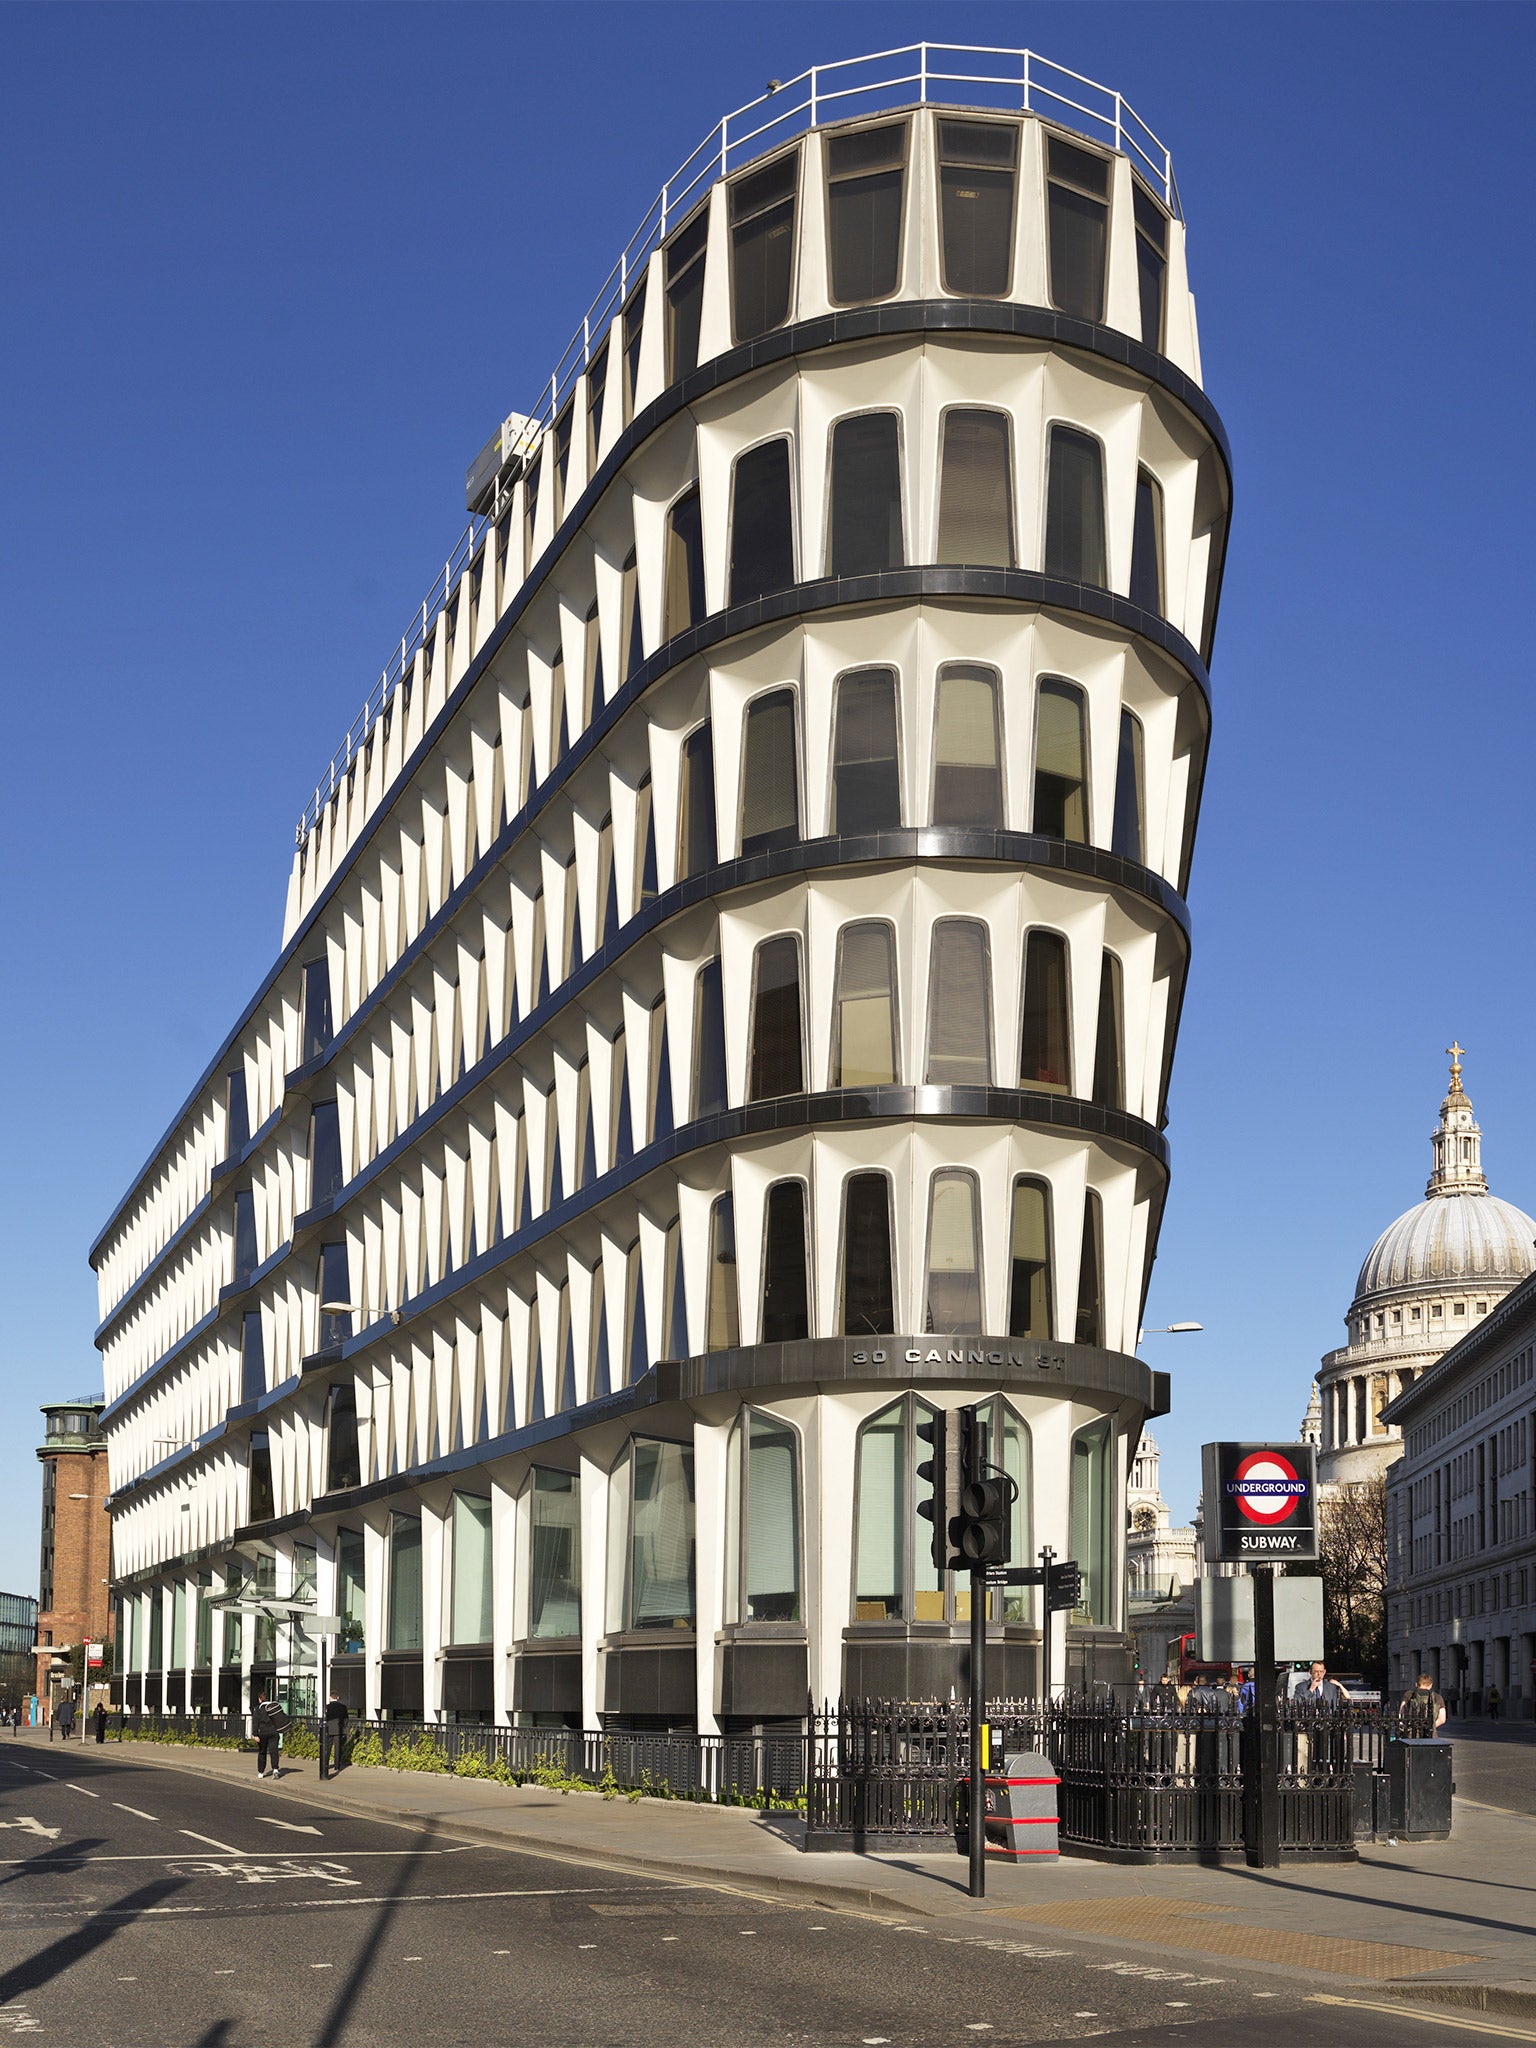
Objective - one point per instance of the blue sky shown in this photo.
(273, 275)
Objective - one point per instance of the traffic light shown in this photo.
(944, 1475)
(1064, 1586)
(981, 1527)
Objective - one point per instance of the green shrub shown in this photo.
(301, 1742)
(418, 1753)
(471, 1765)
(366, 1750)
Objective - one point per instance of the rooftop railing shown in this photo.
(921, 74)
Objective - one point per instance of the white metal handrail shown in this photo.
(921, 74)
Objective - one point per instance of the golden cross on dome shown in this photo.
(1455, 1052)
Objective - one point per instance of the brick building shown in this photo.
(76, 1561)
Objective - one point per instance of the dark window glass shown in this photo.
(597, 388)
(868, 1295)
(647, 889)
(1074, 508)
(325, 1173)
(567, 1354)
(1090, 1277)
(1147, 546)
(591, 666)
(253, 1357)
(1045, 1059)
(866, 774)
(599, 1383)
(1129, 792)
(762, 207)
(630, 638)
(709, 1086)
(685, 565)
(1108, 1052)
(1078, 203)
(1061, 779)
(1029, 1280)
(661, 1082)
(723, 1332)
(975, 491)
(865, 174)
(245, 1238)
(608, 883)
(959, 1005)
(237, 1115)
(262, 1504)
(967, 770)
(639, 1341)
(562, 457)
(315, 1033)
(762, 524)
(952, 1302)
(1151, 265)
(696, 824)
(342, 1465)
(770, 793)
(977, 163)
(685, 296)
(335, 1296)
(866, 532)
(864, 1008)
(623, 1120)
(776, 1067)
(589, 1139)
(634, 333)
(535, 477)
(677, 1298)
(786, 1297)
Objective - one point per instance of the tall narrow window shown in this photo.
(1090, 1275)
(535, 478)
(868, 1291)
(865, 522)
(1029, 1257)
(677, 1293)
(975, 490)
(662, 1120)
(866, 769)
(631, 642)
(762, 523)
(470, 1617)
(315, 1028)
(1147, 545)
(967, 769)
(565, 1352)
(1151, 264)
(1109, 1042)
(554, 1555)
(324, 1153)
(709, 1083)
(864, 1008)
(335, 1297)
(1045, 1059)
(237, 1115)
(343, 1461)
(978, 163)
(786, 1291)
(777, 1066)
(1077, 200)
(661, 1585)
(684, 596)
(696, 804)
(866, 171)
(563, 427)
(880, 1494)
(762, 209)
(639, 1336)
(770, 783)
(263, 1503)
(597, 386)
(724, 1330)
(600, 1366)
(1061, 777)
(245, 1238)
(769, 1521)
(634, 335)
(1129, 790)
(1091, 1523)
(253, 1357)
(685, 295)
(959, 1005)
(952, 1301)
(403, 1625)
(591, 665)
(1074, 508)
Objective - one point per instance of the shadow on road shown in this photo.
(330, 2032)
(70, 1949)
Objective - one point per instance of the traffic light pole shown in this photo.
(978, 1805)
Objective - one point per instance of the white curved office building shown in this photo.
(730, 974)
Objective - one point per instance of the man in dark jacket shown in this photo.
(333, 1733)
(1421, 1711)
(99, 1721)
(269, 1721)
(1320, 1690)
(65, 1718)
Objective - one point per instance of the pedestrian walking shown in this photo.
(1421, 1710)
(65, 1718)
(99, 1720)
(269, 1721)
(1244, 1690)
(1495, 1702)
(333, 1733)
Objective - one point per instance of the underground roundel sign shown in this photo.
(1260, 1503)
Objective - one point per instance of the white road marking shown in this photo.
(671, 1937)
(294, 1828)
(172, 1856)
(501, 1951)
(137, 1811)
(587, 1944)
(1176, 2001)
(331, 1966)
(1466, 2025)
(81, 1788)
(223, 1847)
(223, 1973)
(29, 1826)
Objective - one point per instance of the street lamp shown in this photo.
(1168, 1330)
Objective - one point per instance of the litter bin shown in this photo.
(1419, 1789)
(1020, 1821)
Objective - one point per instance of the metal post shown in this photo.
(978, 1801)
(1046, 1557)
(922, 100)
(1263, 1845)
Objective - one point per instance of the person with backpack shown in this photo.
(268, 1720)
(1421, 1712)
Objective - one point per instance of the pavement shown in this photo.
(1450, 1924)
